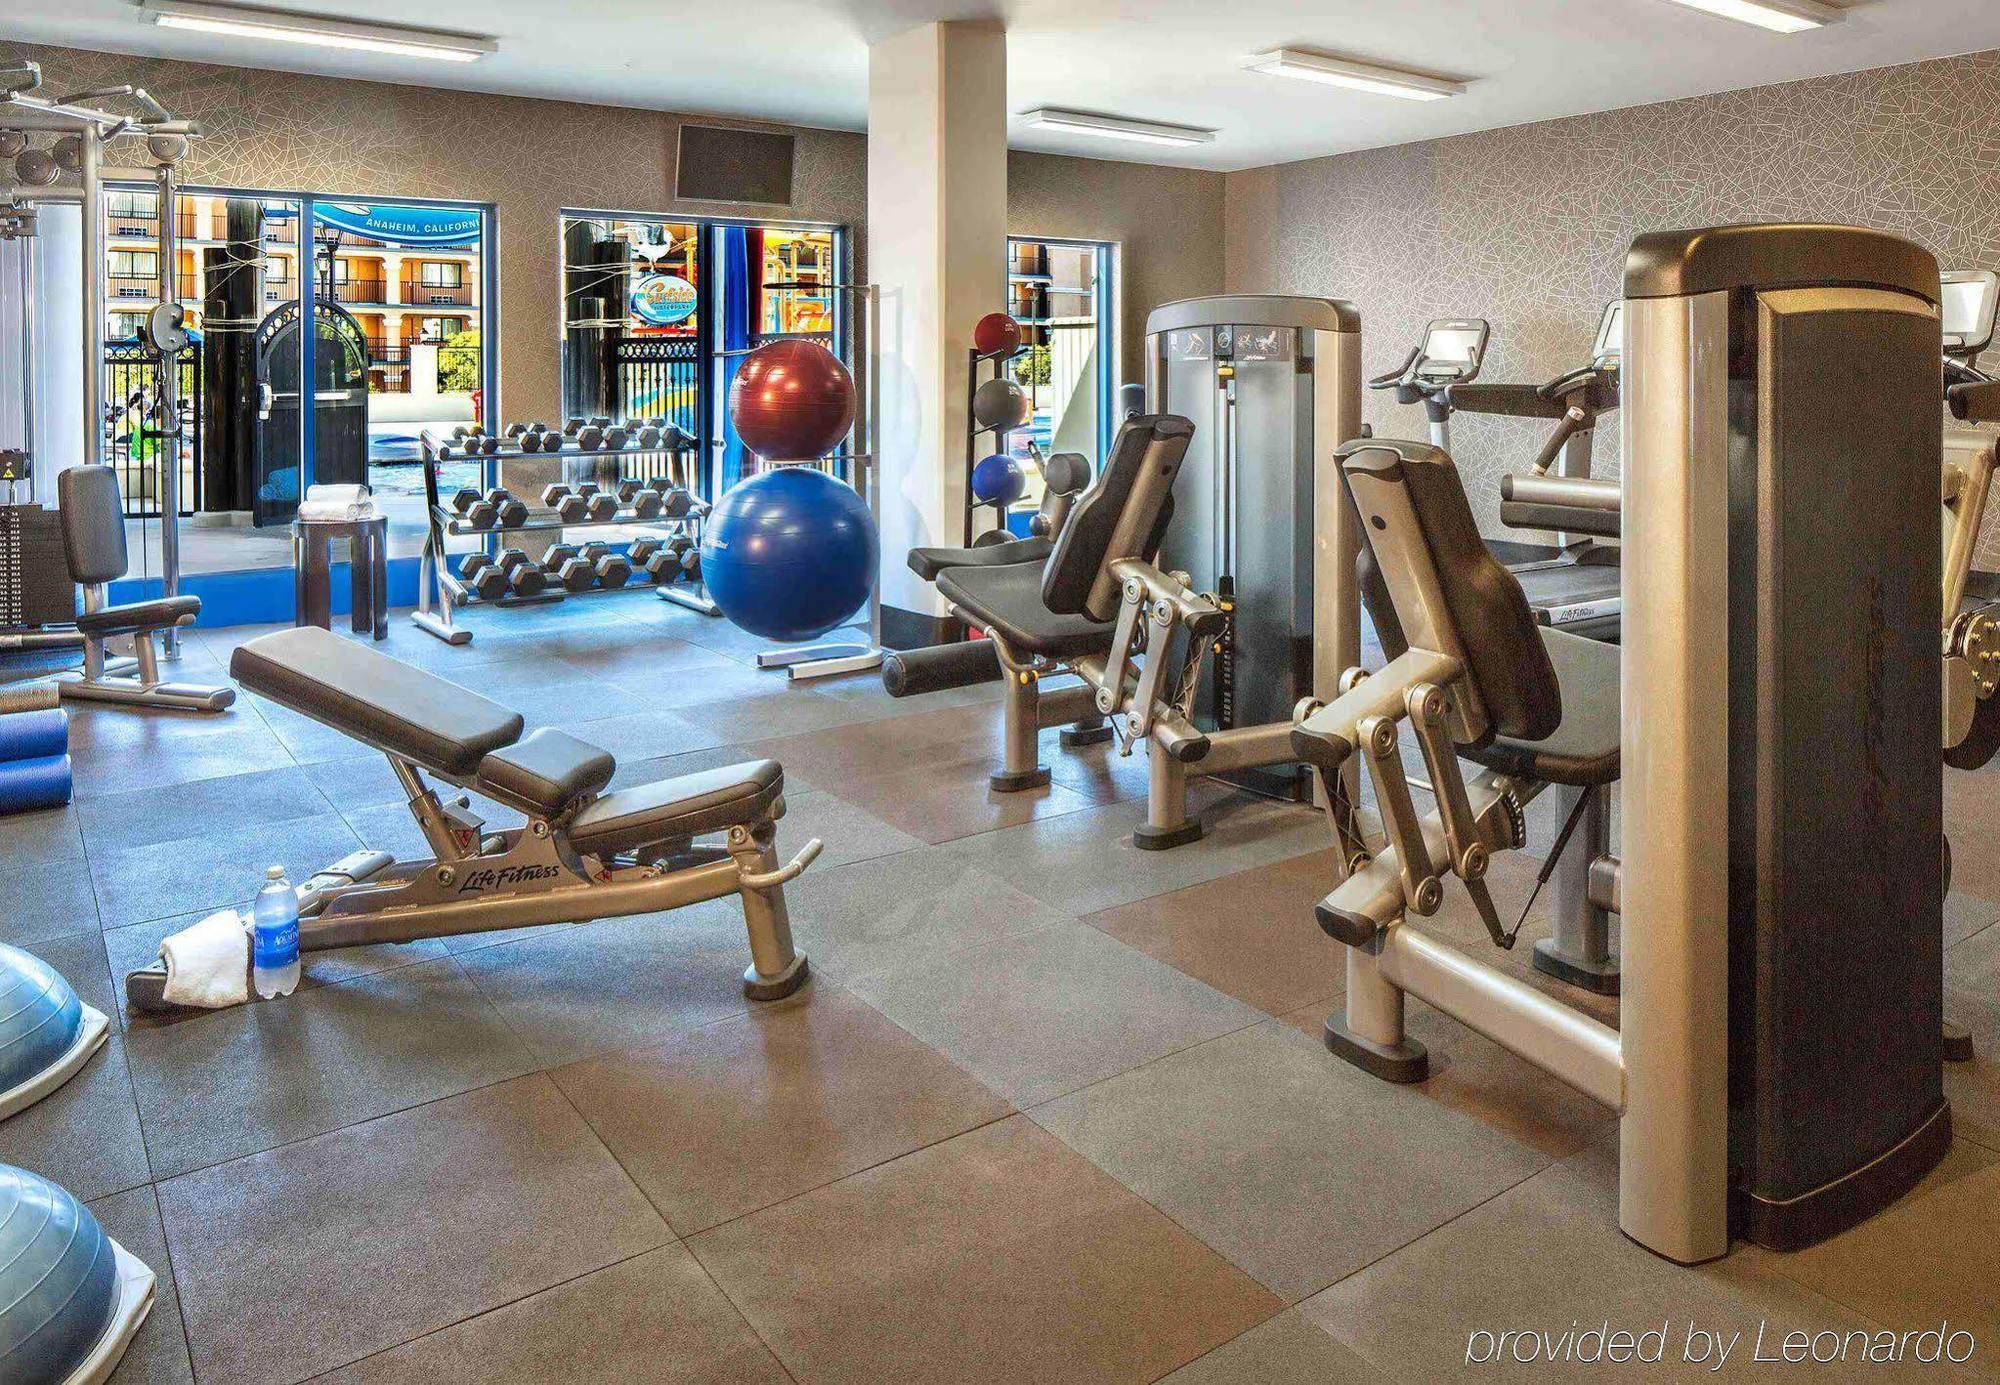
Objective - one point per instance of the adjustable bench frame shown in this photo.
(479, 882)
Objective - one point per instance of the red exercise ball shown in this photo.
(791, 401)
(996, 334)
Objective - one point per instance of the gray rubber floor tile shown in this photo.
(908, 910)
(44, 900)
(571, 993)
(158, 1353)
(84, 1135)
(213, 870)
(145, 817)
(1044, 1013)
(43, 838)
(656, 1317)
(747, 1112)
(232, 1082)
(1256, 1142)
(847, 833)
(377, 1234)
(1287, 1350)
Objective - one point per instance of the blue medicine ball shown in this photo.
(790, 553)
(997, 480)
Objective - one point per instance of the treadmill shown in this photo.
(1575, 586)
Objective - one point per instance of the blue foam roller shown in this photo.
(28, 785)
(34, 735)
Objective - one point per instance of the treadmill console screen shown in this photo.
(1453, 349)
(1610, 348)
(1971, 298)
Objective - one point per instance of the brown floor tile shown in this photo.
(997, 1256)
(751, 1111)
(654, 1319)
(1250, 935)
(1931, 1257)
(837, 757)
(947, 796)
(377, 1234)
(1287, 1350)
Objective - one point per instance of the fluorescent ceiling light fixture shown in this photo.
(1110, 127)
(1345, 72)
(283, 26)
(1779, 16)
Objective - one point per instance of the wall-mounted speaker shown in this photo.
(715, 164)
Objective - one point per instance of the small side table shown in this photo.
(368, 571)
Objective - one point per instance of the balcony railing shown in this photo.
(135, 227)
(131, 286)
(360, 291)
(281, 233)
(435, 295)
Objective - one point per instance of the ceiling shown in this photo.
(806, 61)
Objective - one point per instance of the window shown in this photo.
(440, 328)
(343, 271)
(124, 326)
(1060, 293)
(131, 205)
(135, 264)
(278, 269)
(434, 274)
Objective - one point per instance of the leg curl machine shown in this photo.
(1778, 1066)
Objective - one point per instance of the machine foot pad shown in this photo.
(777, 987)
(1003, 782)
(1150, 838)
(1076, 737)
(1408, 1061)
(1600, 978)
(1957, 1043)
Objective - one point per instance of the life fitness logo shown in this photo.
(663, 299)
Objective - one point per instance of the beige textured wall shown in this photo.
(531, 158)
(1528, 226)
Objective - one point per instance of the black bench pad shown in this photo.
(156, 614)
(687, 805)
(375, 699)
(1584, 748)
(547, 770)
(927, 563)
(1008, 601)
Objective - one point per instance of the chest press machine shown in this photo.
(583, 854)
(1778, 1067)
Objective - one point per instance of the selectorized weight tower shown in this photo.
(1777, 1070)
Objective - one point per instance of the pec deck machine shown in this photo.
(1777, 1069)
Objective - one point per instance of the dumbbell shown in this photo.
(459, 432)
(551, 442)
(571, 509)
(517, 430)
(524, 575)
(602, 506)
(464, 499)
(471, 565)
(482, 513)
(573, 427)
(608, 568)
(661, 562)
(586, 489)
(646, 504)
(552, 496)
(530, 441)
(691, 563)
(600, 423)
(676, 503)
(627, 489)
(557, 555)
(510, 512)
(649, 436)
(617, 439)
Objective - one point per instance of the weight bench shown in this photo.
(583, 854)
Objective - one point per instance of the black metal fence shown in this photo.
(131, 411)
(660, 377)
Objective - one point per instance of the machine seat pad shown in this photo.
(1584, 748)
(1008, 601)
(687, 805)
(548, 769)
(378, 700)
(156, 614)
(927, 563)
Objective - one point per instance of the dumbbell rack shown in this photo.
(439, 590)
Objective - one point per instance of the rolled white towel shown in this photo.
(208, 963)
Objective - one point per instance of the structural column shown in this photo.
(937, 244)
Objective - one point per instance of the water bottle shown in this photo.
(274, 936)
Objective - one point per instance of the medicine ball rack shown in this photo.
(440, 592)
(997, 360)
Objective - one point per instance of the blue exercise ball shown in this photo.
(790, 553)
(59, 1285)
(997, 480)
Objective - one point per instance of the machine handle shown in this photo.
(784, 875)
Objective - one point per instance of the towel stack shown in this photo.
(34, 749)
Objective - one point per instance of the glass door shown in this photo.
(1060, 291)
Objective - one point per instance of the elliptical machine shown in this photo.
(1451, 353)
